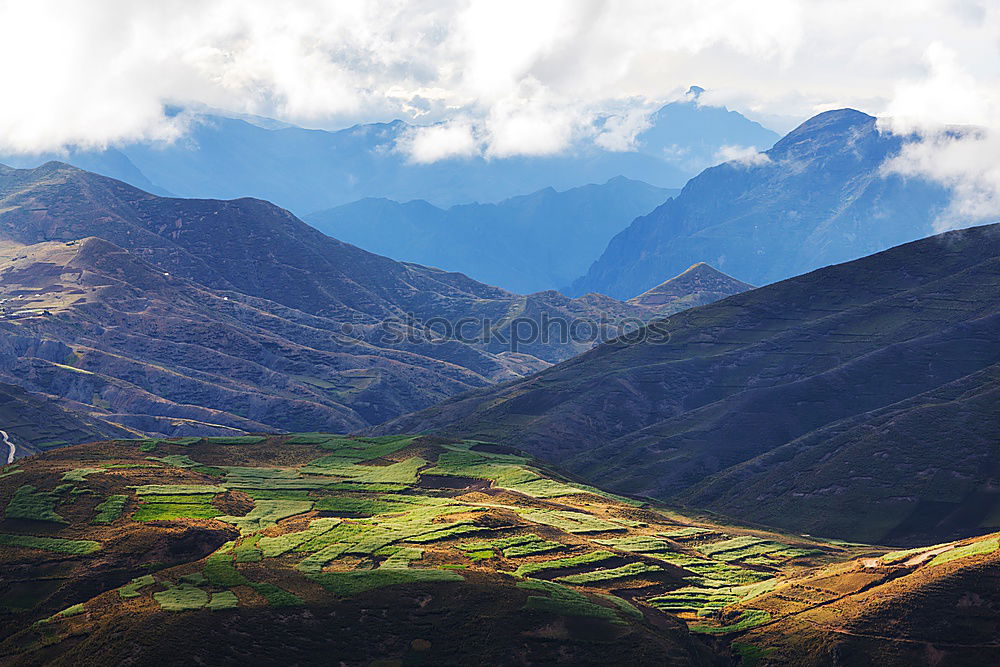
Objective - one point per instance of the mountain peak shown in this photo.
(835, 122)
(699, 284)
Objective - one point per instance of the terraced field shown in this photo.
(419, 550)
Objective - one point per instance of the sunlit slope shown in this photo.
(400, 548)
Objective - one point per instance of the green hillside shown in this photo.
(413, 550)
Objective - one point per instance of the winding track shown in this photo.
(13, 448)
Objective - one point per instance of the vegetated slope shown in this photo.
(530, 243)
(818, 197)
(34, 422)
(310, 170)
(699, 285)
(807, 370)
(299, 547)
(420, 550)
(180, 317)
(934, 605)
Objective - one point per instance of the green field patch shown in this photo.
(402, 558)
(282, 544)
(452, 530)
(68, 612)
(30, 503)
(132, 588)
(369, 488)
(750, 618)
(223, 600)
(177, 489)
(638, 544)
(277, 494)
(164, 502)
(248, 551)
(401, 473)
(740, 548)
(692, 599)
(528, 569)
(79, 474)
(511, 547)
(267, 513)
(686, 533)
(364, 449)
(347, 584)
(236, 440)
(275, 596)
(175, 460)
(973, 549)
(506, 471)
(610, 574)
(897, 556)
(563, 601)
(52, 544)
(358, 506)
(110, 510)
(310, 438)
(682, 560)
(181, 597)
(571, 522)
(220, 571)
(725, 575)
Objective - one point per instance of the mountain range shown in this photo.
(856, 401)
(187, 316)
(524, 244)
(307, 170)
(820, 196)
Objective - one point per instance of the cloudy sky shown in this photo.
(501, 77)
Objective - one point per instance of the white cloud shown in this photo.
(438, 142)
(506, 78)
(619, 132)
(964, 159)
(741, 155)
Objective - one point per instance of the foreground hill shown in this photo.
(856, 401)
(421, 550)
(182, 316)
(530, 243)
(818, 197)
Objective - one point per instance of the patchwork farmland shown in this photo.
(192, 530)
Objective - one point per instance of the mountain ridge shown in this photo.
(818, 197)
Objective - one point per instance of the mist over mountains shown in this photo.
(307, 170)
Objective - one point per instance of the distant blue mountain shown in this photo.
(691, 135)
(818, 197)
(524, 244)
(311, 170)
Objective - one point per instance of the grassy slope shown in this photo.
(423, 550)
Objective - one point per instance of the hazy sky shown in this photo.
(508, 76)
